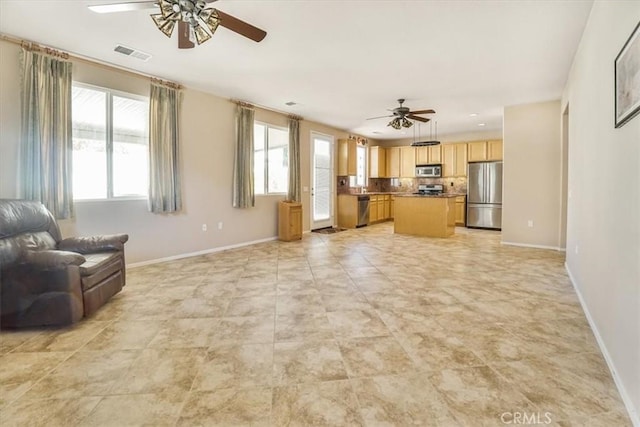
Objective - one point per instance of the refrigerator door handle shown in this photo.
(489, 176)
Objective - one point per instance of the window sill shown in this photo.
(272, 195)
(113, 199)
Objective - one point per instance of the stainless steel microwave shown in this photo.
(429, 171)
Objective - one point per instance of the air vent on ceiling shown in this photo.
(134, 53)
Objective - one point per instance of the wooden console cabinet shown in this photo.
(289, 221)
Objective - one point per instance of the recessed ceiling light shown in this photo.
(473, 114)
(482, 124)
(290, 103)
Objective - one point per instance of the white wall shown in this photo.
(532, 174)
(207, 141)
(603, 225)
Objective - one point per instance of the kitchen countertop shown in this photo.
(397, 193)
(434, 196)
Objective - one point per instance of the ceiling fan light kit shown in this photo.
(202, 23)
(197, 22)
(402, 116)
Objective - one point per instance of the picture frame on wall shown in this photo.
(627, 79)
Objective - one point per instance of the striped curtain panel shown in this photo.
(46, 138)
(165, 193)
(243, 191)
(294, 192)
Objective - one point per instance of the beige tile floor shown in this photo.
(362, 327)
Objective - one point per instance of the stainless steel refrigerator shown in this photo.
(484, 195)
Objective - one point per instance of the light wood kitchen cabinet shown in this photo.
(377, 162)
(289, 221)
(373, 209)
(387, 206)
(494, 150)
(454, 160)
(480, 151)
(391, 205)
(477, 151)
(461, 160)
(430, 155)
(393, 162)
(379, 207)
(347, 157)
(407, 162)
(425, 216)
(460, 210)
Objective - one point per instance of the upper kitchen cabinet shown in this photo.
(477, 151)
(377, 162)
(494, 150)
(480, 151)
(430, 155)
(407, 162)
(393, 162)
(347, 157)
(454, 160)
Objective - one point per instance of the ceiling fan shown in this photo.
(197, 22)
(401, 116)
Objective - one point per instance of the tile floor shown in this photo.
(361, 327)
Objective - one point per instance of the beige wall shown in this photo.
(603, 224)
(532, 175)
(207, 140)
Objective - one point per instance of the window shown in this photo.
(110, 144)
(360, 179)
(270, 159)
(361, 166)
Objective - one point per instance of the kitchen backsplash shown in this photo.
(404, 185)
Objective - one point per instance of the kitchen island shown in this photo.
(425, 215)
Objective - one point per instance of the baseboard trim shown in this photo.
(526, 245)
(198, 253)
(633, 413)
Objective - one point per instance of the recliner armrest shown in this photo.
(52, 259)
(87, 245)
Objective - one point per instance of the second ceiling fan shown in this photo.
(401, 116)
(196, 21)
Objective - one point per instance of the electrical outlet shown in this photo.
(576, 249)
(220, 225)
(530, 223)
(204, 227)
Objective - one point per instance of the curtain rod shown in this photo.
(28, 44)
(92, 61)
(262, 107)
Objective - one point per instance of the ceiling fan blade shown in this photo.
(244, 29)
(380, 117)
(422, 112)
(123, 7)
(184, 31)
(420, 119)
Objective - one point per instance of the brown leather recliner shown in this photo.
(45, 280)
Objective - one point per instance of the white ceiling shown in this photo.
(343, 61)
